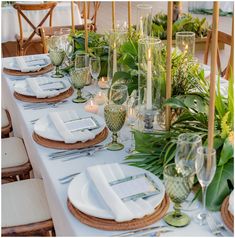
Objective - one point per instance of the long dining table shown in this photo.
(51, 170)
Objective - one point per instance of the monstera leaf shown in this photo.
(218, 189)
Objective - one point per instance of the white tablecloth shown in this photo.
(61, 17)
(50, 171)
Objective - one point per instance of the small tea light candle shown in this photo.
(100, 98)
(92, 107)
(103, 83)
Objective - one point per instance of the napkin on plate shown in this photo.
(24, 67)
(231, 203)
(101, 175)
(68, 136)
(34, 84)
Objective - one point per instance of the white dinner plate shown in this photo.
(21, 87)
(46, 129)
(31, 60)
(83, 195)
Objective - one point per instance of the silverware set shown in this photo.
(149, 231)
(215, 227)
(67, 155)
(68, 178)
(36, 106)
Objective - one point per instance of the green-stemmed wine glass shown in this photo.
(178, 186)
(78, 80)
(115, 116)
(57, 54)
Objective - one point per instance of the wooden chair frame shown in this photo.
(42, 228)
(23, 171)
(93, 18)
(7, 129)
(24, 44)
(226, 39)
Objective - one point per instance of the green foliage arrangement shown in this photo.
(154, 151)
(185, 23)
(182, 82)
(189, 103)
(97, 45)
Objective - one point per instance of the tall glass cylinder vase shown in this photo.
(116, 39)
(144, 20)
(151, 83)
(185, 42)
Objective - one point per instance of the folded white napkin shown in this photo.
(69, 137)
(101, 175)
(231, 203)
(34, 84)
(24, 67)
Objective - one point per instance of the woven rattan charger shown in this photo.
(63, 146)
(55, 99)
(227, 217)
(112, 225)
(43, 70)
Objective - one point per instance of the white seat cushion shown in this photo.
(24, 202)
(5, 121)
(13, 152)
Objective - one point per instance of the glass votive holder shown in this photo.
(185, 42)
(91, 106)
(100, 98)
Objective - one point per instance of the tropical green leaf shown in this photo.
(226, 153)
(175, 103)
(219, 105)
(120, 75)
(218, 189)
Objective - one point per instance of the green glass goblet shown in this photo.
(178, 187)
(78, 80)
(57, 57)
(115, 116)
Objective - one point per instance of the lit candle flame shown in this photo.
(149, 54)
(186, 48)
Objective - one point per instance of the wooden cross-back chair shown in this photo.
(223, 38)
(24, 42)
(92, 10)
(46, 32)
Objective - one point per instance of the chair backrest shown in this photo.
(46, 32)
(223, 38)
(33, 7)
(92, 11)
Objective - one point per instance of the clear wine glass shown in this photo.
(186, 153)
(95, 68)
(205, 170)
(69, 48)
(132, 118)
(186, 150)
(118, 93)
